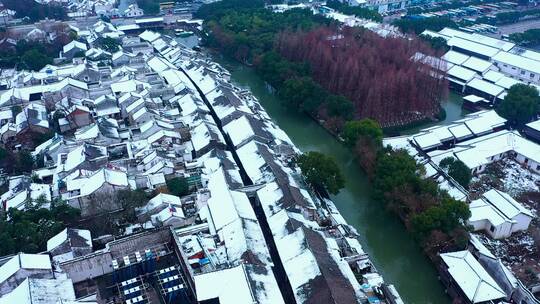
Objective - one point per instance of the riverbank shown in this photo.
(396, 255)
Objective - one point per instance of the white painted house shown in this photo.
(499, 215)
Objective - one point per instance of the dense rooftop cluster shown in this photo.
(135, 119)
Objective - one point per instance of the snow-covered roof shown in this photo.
(34, 114)
(455, 57)
(6, 114)
(474, 99)
(230, 286)
(162, 199)
(506, 82)
(434, 34)
(427, 140)
(480, 247)
(253, 162)
(478, 151)
(222, 200)
(486, 87)
(24, 261)
(42, 291)
(149, 20)
(535, 125)
(471, 277)
(478, 38)
(483, 121)
(203, 134)
(461, 73)
(171, 211)
(87, 185)
(506, 204)
(87, 132)
(74, 44)
(75, 237)
(521, 62)
(158, 64)
(481, 210)
(127, 86)
(149, 36)
(239, 130)
(493, 76)
(477, 64)
(474, 47)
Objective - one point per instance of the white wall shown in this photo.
(522, 222)
(530, 163)
(516, 72)
(501, 231)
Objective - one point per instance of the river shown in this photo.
(383, 236)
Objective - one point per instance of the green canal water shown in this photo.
(383, 236)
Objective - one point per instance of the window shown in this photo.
(522, 72)
(492, 228)
(532, 75)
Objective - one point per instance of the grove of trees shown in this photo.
(435, 219)
(36, 11)
(29, 55)
(28, 231)
(108, 44)
(509, 17)
(520, 105)
(178, 186)
(530, 37)
(383, 85)
(330, 73)
(417, 26)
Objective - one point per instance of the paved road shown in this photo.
(519, 27)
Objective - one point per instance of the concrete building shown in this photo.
(518, 67)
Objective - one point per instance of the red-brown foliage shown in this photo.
(375, 73)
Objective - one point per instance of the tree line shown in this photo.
(434, 218)
(28, 55)
(36, 11)
(509, 17)
(418, 25)
(360, 12)
(529, 38)
(291, 52)
(248, 34)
